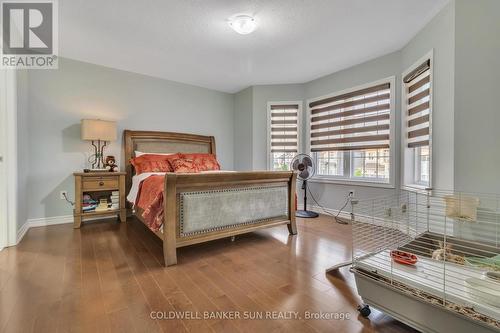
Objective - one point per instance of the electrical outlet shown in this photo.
(351, 193)
(63, 195)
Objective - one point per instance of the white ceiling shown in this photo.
(190, 41)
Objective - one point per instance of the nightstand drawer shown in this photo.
(100, 183)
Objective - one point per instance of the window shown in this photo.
(351, 133)
(416, 125)
(283, 134)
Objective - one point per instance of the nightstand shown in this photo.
(97, 187)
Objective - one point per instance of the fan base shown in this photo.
(306, 214)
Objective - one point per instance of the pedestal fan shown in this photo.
(304, 164)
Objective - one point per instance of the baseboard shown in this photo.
(327, 211)
(42, 222)
(22, 231)
(48, 221)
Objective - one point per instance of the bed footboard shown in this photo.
(203, 207)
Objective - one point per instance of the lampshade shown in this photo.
(95, 129)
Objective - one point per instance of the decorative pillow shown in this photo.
(183, 165)
(205, 162)
(152, 163)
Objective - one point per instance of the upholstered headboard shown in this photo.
(162, 142)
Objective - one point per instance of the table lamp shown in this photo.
(100, 131)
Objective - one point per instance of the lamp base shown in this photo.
(98, 156)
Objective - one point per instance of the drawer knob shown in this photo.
(101, 183)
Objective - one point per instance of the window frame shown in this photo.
(269, 160)
(343, 180)
(408, 156)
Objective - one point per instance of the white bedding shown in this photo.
(137, 179)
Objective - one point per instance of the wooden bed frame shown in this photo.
(175, 184)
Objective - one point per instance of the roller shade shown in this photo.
(284, 125)
(417, 85)
(352, 121)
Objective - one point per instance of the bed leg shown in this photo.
(292, 227)
(169, 253)
(170, 221)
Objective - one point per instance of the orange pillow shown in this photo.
(205, 162)
(152, 163)
(183, 165)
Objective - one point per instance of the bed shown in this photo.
(200, 207)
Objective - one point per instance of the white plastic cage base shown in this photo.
(416, 312)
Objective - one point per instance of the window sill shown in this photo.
(415, 188)
(356, 182)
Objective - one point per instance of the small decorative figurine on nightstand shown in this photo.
(111, 164)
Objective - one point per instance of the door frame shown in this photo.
(8, 150)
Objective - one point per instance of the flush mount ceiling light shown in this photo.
(243, 24)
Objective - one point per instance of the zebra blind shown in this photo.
(353, 121)
(417, 85)
(284, 128)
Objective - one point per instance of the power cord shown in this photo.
(72, 203)
(349, 197)
(336, 217)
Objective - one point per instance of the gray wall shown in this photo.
(243, 127)
(58, 99)
(439, 35)
(477, 111)
(250, 122)
(262, 95)
(333, 195)
(464, 37)
(327, 194)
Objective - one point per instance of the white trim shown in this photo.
(42, 222)
(392, 137)
(353, 182)
(416, 188)
(404, 109)
(8, 197)
(22, 231)
(49, 221)
(268, 128)
(3, 173)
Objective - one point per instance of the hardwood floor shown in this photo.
(108, 277)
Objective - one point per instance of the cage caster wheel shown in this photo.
(364, 310)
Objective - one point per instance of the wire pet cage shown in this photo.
(430, 259)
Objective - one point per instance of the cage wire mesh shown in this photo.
(452, 236)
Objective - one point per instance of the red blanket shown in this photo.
(150, 200)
